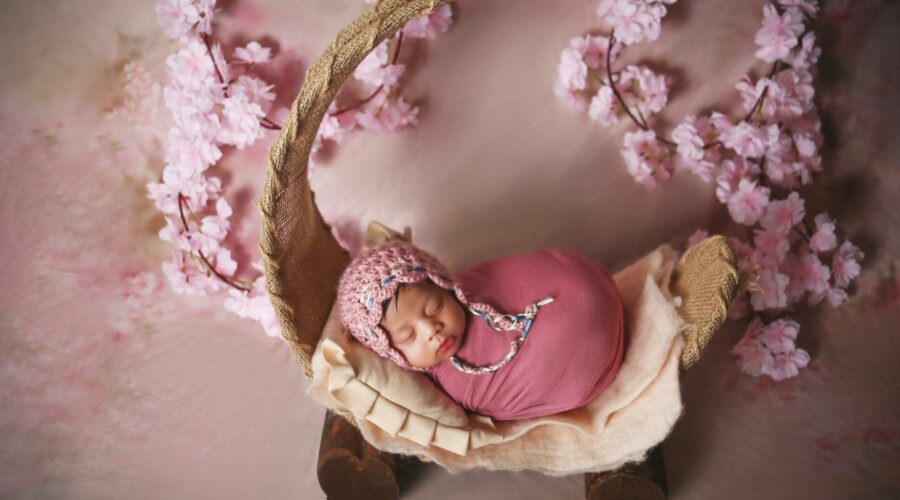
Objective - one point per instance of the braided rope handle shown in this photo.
(292, 229)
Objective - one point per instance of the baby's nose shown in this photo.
(432, 328)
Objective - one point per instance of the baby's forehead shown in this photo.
(409, 291)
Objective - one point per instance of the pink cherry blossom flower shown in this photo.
(191, 64)
(376, 70)
(755, 359)
(572, 98)
(809, 272)
(164, 197)
(179, 238)
(747, 140)
(188, 277)
(194, 153)
(836, 296)
(428, 27)
(823, 239)
(335, 127)
(241, 127)
(796, 92)
(179, 17)
(787, 365)
(732, 171)
(604, 106)
(779, 335)
(747, 204)
(783, 173)
(196, 188)
(771, 246)
(192, 106)
(771, 293)
(845, 263)
(784, 166)
(650, 90)
(224, 264)
(745, 253)
(594, 51)
(581, 54)
(782, 215)
(778, 34)
(390, 118)
(632, 21)
(646, 158)
(254, 305)
(693, 155)
(776, 106)
(253, 53)
(687, 137)
(751, 92)
(720, 122)
(572, 70)
(255, 90)
(807, 55)
(217, 226)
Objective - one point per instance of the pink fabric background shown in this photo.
(110, 390)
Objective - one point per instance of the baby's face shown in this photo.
(425, 323)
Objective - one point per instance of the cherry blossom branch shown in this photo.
(380, 87)
(206, 41)
(762, 97)
(209, 266)
(642, 123)
(264, 122)
(609, 76)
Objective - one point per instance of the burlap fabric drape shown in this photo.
(302, 260)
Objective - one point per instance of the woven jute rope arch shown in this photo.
(303, 261)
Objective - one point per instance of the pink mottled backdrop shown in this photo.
(111, 386)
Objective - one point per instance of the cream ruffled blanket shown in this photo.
(403, 412)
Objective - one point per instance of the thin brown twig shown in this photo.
(762, 97)
(642, 122)
(380, 87)
(210, 267)
(205, 38)
(609, 76)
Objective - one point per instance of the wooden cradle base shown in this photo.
(350, 468)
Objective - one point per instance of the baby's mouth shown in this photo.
(447, 344)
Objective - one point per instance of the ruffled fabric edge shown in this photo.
(368, 403)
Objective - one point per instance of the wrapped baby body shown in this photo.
(466, 332)
(573, 349)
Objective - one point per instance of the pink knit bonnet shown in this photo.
(373, 277)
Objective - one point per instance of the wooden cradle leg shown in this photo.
(351, 468)
(637, 481)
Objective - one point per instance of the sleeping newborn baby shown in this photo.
(511, 338)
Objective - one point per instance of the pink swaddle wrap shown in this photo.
(573, 350)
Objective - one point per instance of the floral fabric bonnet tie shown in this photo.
(374, 276)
